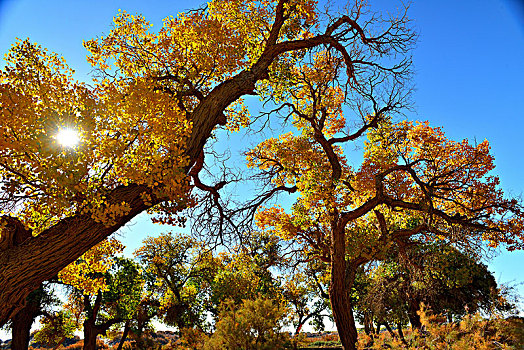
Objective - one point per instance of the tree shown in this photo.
(56, 327)
(247, 272)
(121, 302)
(130, 298)
(306, 302)
(174, 262)
(413, 181)
(103, 291)
(39, 302)
(145, 123)
(444, 279)
(193, 281)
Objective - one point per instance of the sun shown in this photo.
(68, 137)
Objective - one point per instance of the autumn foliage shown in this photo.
(156, 99)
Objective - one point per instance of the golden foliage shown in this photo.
(87, 273)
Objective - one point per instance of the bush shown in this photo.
(255, 325)
(472, 332)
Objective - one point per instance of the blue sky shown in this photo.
(469, 65)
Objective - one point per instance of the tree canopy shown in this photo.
(159, 96)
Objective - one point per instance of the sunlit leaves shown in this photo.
(56, 328)
(130, 133)
(38, 97)
(87, 274)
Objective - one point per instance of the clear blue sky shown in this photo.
(469, 63)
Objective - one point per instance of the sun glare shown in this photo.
(68, 137)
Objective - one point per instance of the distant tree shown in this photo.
(174, 262)
(248, 272)
(127, 298)
(305, 291)
(56, 327)
(103, 291)
(193, 280)
(448, 281)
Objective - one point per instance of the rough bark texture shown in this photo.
(90, 329)
(368, 324)
(25, 266)
(14, 234)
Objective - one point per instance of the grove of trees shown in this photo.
(157, 101)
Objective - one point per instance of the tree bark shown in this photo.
(339, 291)
(23, 320)
(90, 335)
(90, 331)
(368, 324)
(21, 328)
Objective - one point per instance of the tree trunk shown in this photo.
(23, 320)
(124, 335)
(20, 329)
(90, 335)
(90, 329)
(24, 267)
(414, 318)
(339, 292)
(401, 333)
(368, 324)
(390, 331)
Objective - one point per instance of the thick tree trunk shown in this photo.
(24, 267)
(90, 330)
(339, 292)
(23, 320)
(90, 335)
(21, 328)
